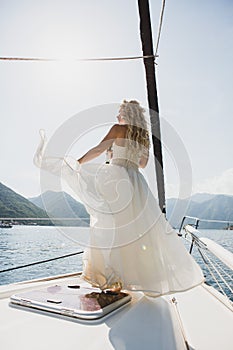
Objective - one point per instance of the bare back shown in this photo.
(121, 132)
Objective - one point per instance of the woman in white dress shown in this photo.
(132, 245)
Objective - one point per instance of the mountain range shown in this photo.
(14, 205)
(62, 205)
(203, 206)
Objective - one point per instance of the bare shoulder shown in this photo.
(119, 130)
(116, 131)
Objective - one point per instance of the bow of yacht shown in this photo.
(199, 318)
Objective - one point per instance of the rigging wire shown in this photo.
(213, 267)
(96, 59)
(160, 27)
(213, 263)
(205, 258)
(41, 262)
(35, 59)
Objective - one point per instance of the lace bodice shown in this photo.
(124, 156)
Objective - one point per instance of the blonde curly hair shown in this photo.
(137, 129)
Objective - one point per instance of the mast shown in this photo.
(149, 63)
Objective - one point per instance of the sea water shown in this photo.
(21, 245)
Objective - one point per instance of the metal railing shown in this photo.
(198, 220)
(219, 274)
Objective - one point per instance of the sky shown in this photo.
(194, 78)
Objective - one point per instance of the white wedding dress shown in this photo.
(131, 245)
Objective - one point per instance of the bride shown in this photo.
(132, 246)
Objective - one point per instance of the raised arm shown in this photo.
(102, 146)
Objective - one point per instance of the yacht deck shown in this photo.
(204, 319)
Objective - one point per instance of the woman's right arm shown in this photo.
(102, 146)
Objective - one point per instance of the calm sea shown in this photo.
(22, 245)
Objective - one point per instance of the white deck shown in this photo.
(145, 323)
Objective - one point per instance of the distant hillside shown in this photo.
(203, 206)
(13, 204)
(62, 205)
(202, 197)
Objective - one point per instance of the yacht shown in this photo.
(54, 313)
(46, 313)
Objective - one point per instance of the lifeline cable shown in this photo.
(41, 262)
